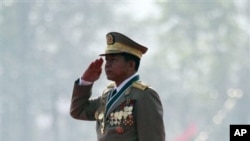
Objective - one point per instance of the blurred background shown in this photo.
(198, 61)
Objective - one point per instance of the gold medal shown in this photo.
(120, 114)
(102, 130)
(100, 116)
(102, 127)
(116, 115)
(125, 115)
(130, 108)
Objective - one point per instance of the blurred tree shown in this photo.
(204, 53)
(39, 53)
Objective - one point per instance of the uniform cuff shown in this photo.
(84, 82)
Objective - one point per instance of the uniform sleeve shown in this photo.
(82, 107)
(149, 117)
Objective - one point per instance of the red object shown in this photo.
(119, 130)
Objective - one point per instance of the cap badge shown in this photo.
(110, 39)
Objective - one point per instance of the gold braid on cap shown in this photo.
(119, 48)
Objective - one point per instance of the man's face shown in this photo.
(116, 68)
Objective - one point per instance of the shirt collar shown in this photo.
(124, 82)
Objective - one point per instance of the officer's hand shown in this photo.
(94, 71)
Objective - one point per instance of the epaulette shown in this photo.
(109, 87)
(140, 85)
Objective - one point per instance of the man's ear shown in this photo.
(131, 65)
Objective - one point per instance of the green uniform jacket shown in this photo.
(136, 116)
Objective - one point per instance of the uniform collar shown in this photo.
(124, 82)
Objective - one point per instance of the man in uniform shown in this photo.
(127, 110)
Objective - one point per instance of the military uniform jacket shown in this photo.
(136, 116)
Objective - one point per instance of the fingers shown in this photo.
(97, 64)
(93, 71)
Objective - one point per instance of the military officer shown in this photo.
(127, 110)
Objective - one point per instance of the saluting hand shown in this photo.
(94, 71)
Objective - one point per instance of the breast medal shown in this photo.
(101, 116)
(122, 116)
(119, 130)
(102, 121)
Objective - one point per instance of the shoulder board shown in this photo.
(139, 85)
(109, 87)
